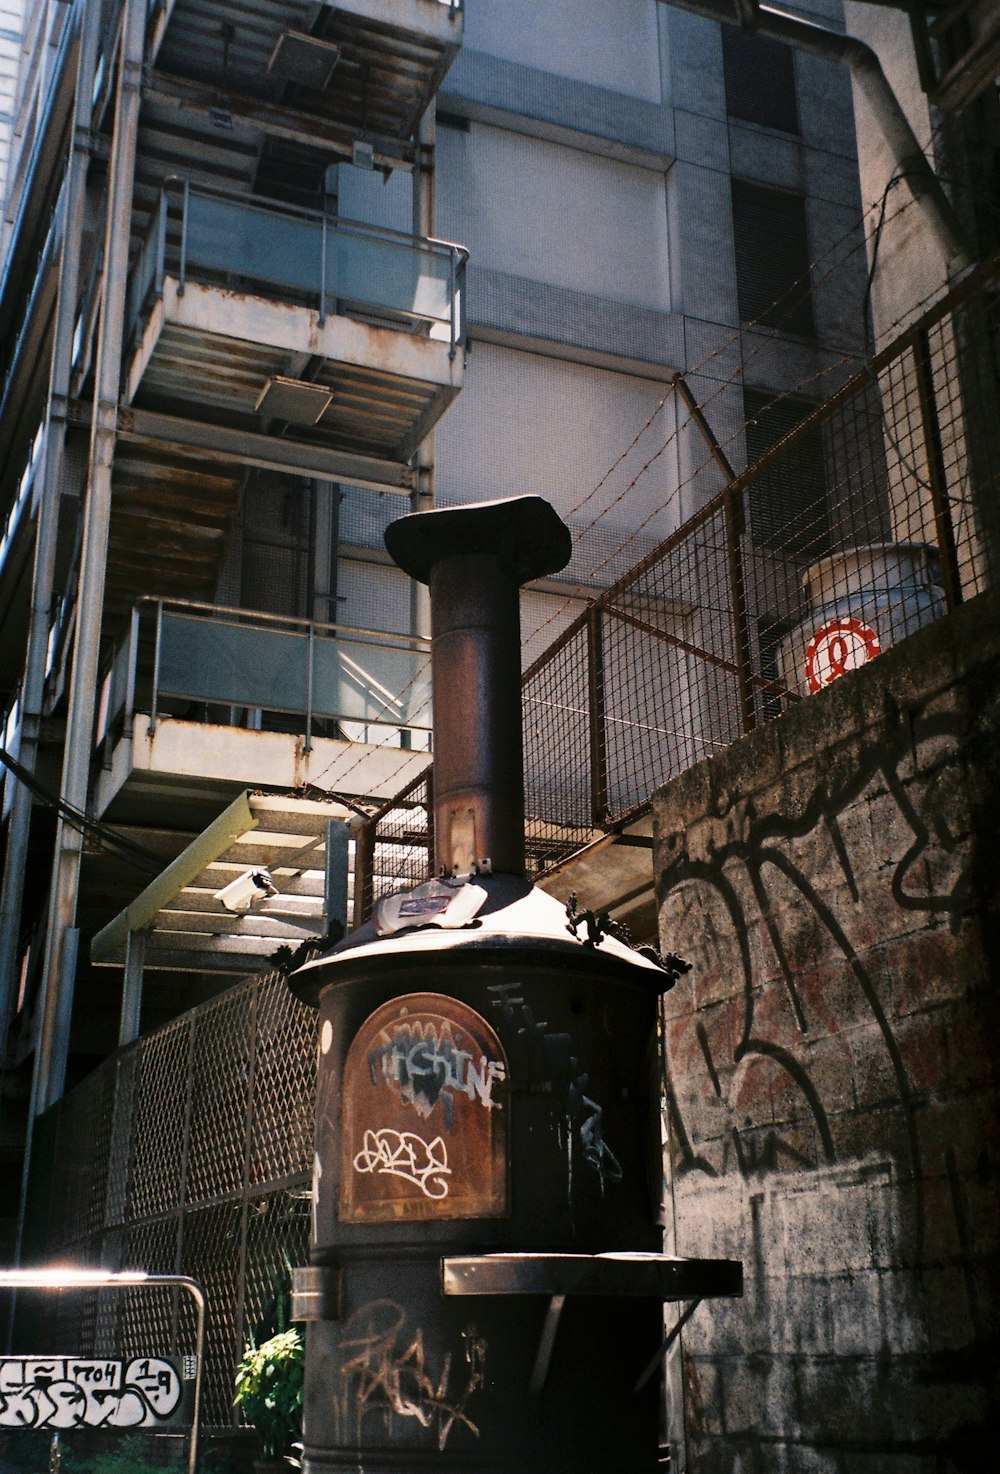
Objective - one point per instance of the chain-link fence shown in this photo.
(856, 522)
(189, 1153)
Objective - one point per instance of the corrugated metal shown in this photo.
(384, 78)
(169, 519)
(372, 411)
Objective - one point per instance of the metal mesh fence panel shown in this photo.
(213, 1243)
(403, 852)
(856, 522)
(277, 1235)
(556, 704)
(189, 1153)
(82, 1155)
(221, 1095)
(283, 1085)
(161, 1120)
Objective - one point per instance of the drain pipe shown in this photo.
(866, 70)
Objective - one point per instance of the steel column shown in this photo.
(47, 523)
(50, 1060)
(364, 869)
(135, 955)
(338, 836)
(596, 715)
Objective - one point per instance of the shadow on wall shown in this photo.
(832, 1092)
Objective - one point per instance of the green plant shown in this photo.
(269, 1391)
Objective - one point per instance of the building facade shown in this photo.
(274, 275)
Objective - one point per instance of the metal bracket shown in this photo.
(652, 1276)
(546, 1342)
(317, 1293)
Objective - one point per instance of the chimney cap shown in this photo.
(525, 532)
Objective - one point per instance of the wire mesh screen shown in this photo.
(857, 522)
(189, 1153)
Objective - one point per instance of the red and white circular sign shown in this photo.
(838, 647)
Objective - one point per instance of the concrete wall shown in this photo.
(832, 1077)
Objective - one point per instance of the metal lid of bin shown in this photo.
(513, 915)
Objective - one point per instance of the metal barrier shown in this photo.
(189, 1153)
(186, 659)
(212, 235)
(856, 521)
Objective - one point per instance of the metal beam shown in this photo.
(110, 943)
(58, 984)
(274, 120)
(249, 448)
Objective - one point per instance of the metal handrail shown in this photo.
(325, 224)
(121, 678)
(260, 616)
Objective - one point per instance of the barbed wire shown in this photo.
(769, 333)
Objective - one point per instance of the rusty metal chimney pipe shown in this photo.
(474, 560)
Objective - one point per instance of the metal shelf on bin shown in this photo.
(661, 1276)
(653, 1276)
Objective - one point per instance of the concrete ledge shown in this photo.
(519, 313)
(524, 99)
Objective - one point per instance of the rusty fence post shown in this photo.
(363, 896)
(937, 479)
(735, 524)
(597, 731)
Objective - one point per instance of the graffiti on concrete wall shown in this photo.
(798, 905)
(80, 1392)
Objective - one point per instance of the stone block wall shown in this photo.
(832, 1075)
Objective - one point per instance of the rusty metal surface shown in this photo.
(475, 559)
(375, 411)
(426, 1119)
(392, 59)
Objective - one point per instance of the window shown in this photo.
(760, 80)
(788, 505)
(772, 258)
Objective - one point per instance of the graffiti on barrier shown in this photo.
(815, 870)
(549, 1059)
(385, 1374)
(429, 1058)
(404, 1154)
(79, 1392)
